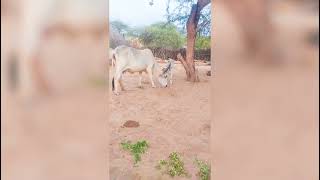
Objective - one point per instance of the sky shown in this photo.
(137, 12)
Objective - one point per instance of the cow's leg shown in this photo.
(150, 73)
(117, 78)
(140, 80)
(121, 84)
(113, 63)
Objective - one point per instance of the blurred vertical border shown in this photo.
(265, 116)
(54, 89)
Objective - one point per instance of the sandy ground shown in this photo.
(176, 118)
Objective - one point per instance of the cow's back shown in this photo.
(132, 56)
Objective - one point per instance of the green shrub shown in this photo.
(136, 149)
(204, 170)
(162, 35)
(173, 166)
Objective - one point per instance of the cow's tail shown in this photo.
(113, 59)
(112, 84)
(113, 64)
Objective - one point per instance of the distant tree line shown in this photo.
(163, 53)
(158, 35)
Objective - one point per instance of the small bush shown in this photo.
(204, 170)
(136, 149)
(173, 166)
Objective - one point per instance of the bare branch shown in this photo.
(203, 3)
(179, 14)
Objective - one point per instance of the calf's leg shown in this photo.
(171, 76)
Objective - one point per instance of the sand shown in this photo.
(171, 119)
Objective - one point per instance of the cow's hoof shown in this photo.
(141, 87)
(116, 93)
(154, 86)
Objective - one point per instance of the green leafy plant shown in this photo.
(136, 149)
(203, 42)
(162, 35)
(173, 166)
(204, 170)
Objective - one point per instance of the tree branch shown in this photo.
(203, 3)
(183, 62)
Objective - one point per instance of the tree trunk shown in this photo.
(192, 24)
(191, 39)
(184, 63)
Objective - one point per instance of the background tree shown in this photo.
(135, 32)
(178, 12)
(162, 35)
(192, 29)
(120, 27)
(115, 38)
(203, 42)
(191, 15)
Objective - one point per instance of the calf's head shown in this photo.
(163, 80)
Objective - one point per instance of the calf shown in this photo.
(167, 73)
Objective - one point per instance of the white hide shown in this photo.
(111, 57)
(132, 60)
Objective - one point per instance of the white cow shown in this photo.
(132, 60)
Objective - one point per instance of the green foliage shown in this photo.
(162, 35)
(135, 32)
(136, 149)
(173, 166)
(204, 170)
(117, 33)
(203, 42)
(119, 26)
